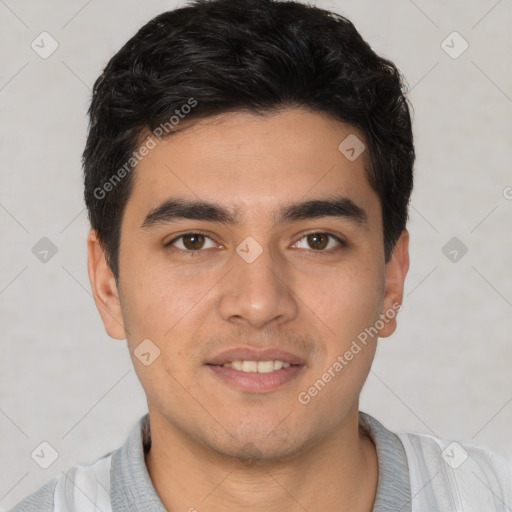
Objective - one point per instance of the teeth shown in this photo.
(249, 366)
(278, 365)
(265, 366)
(257, 366)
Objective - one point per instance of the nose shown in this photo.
(258, 291)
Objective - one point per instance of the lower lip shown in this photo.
(256, 382)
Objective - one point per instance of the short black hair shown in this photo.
(261, 56)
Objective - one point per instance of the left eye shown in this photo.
(320, 241)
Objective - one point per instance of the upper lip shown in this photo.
(252, 354)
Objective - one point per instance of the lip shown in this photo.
(255, 382)
(251, 354)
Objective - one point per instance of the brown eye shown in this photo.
(193, 241)
(190, 243)
(318, 240)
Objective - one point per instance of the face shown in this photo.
(282, 262)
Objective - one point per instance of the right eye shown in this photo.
(189, 243)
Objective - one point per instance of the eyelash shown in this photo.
(193, 254)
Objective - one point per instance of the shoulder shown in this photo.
(40, 501)
(457, 476)
(73, 490)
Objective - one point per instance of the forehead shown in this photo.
(253, 163)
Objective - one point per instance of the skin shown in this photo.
(239, 450)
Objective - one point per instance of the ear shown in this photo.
(396, 270)
(104, 288)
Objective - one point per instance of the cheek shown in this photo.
(349, 306)
(349, 300)
(168, 308)
(157, 306)
(157, 299)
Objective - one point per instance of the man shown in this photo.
(248, 170)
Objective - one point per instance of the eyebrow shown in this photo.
(175, 208)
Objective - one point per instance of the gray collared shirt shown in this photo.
(130, 488)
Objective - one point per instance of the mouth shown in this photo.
(256, 371)
(256, 366)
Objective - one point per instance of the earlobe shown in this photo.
(104, 288)
(396, 270)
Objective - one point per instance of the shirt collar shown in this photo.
(393, 487)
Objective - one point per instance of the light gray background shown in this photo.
(445, 372)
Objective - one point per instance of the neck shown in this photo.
(338, 473)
